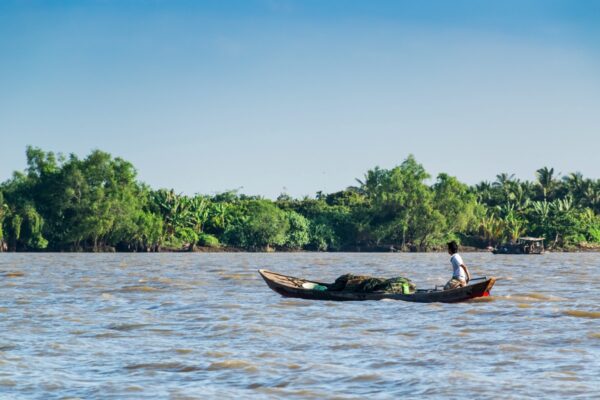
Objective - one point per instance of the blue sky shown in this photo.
(299, 96)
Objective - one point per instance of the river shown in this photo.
(198, 326)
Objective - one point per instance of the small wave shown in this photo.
(486, 299)
(582, 314)
(568, 376)
(217, 354)
(267, 354)
(230, 306)
(431, 328)
(541, 296)
(105, 335)
(511, 348)
(293, 304)
(531, 298)
(157, 279)
(524, 305)
(231, 364)
(383, 364)
(365, 378)
(139, 288)
(236, 277)
(162, 331)
(13, 274)
(595, 335)
(197, 282)
(134, 389)
(165, 366)
(346, 346)
(254, 385)
(125, 327)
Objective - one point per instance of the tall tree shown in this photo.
(545, 179)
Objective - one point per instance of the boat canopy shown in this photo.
(530, 239)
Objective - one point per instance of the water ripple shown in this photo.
(195, 326)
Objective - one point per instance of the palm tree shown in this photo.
(506, 184)
(546, 180)
(591, 197)
(577, 186)
(372, 181)
(503, 179)
(519, 195)
(483, 191)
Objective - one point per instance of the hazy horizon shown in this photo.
(301, 96)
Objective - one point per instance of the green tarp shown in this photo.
(363, 283)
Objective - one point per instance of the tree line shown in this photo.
(65, 203)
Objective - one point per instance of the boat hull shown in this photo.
(289, 286)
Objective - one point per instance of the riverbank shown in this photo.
(582, 248)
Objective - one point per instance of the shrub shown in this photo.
(206, 240)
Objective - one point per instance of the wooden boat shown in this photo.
(524, 245)
(289, 286)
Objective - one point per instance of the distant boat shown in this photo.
(524, 245)
(290, 286)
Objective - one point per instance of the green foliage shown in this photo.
(148, 230)
(594, 234)
(14, 229)
(401, 207)
(261, 227)
(207, 240)
(332, 227)
(32, 229)
(322, 237)
(187, 235)
(221, 215)
(3, 213)
(457, 204)
(95, 204)
(298, 232)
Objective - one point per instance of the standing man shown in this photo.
(460, 273)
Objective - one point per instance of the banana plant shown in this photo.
(491, 229)
(198, 209)
(563, 206)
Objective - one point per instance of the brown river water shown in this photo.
(198, 326)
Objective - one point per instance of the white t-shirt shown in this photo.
(457, 271)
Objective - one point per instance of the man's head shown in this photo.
(452, 247)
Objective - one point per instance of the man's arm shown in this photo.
(463, 266)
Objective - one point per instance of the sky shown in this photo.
(286, 96)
